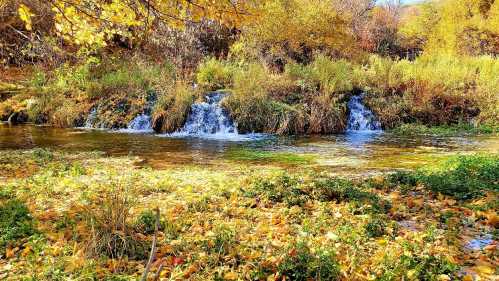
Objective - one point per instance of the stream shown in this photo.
(353, 152)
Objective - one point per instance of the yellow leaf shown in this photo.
(9, 253)
(443, 277)
(230, 276)
(484, 269)
(26, 251)
(25, 15)
(468, 277)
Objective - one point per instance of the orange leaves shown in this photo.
(492, 218)
(10, 252)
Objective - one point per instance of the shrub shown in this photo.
(173, 106)
(42, 155)
(221, 241)
(420, 268)
(282, 188)
(445, 130)
(301, 264)
(328, 189)
(146, 222)
(294, 191)
(433, 90)
(376, 227)
(464, 177)
(107, 218)
(213, 74)
(15, 222)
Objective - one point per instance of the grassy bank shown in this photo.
(431, 95)
(91, 217)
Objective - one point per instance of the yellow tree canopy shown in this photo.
(467, 27)
(299, 24)
(94, 22)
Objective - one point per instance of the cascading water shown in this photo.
(141, 123)
(209, 118)
(91, 119)
(361, 119)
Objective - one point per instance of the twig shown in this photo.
(153, 248)
(158, 273)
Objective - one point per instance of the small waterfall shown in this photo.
(361, 119)
(209, 118)
(91, 119)
(141, 123)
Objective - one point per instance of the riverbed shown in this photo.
(341, 153)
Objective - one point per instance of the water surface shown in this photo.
(351, 152)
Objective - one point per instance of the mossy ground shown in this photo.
(241, 223)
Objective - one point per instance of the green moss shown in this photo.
(15, 222)
(464, 177)
(301, 264)
(253, 155)
(450, 130)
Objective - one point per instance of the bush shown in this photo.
(173, 106)
(213, 74)
(282, 188)
(420, 268)
(328, 189)
(376, 227)
(295, 191)
(458, 129)
(301, 264)
(221, 241)
(432, 90)
(15, 222)
(465, 177)
(107, 218)
(42, 155)
(146, 222)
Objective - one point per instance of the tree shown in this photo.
(456, 27)
(94, 23)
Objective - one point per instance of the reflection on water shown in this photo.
(376, 151)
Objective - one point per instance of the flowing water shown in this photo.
(361, 119)
(208, 120)
(210, 137)
(340, 153)
(140, 124)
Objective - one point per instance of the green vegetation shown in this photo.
(300, 264)
(288, 67)
(464, 177)
(453, 130)
(239, 222)
(16, 223)
(259, 156)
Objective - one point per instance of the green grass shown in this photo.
(449, 130)
(16, 222)
(464, 177)
(253, 155)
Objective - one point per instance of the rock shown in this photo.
(18, 117)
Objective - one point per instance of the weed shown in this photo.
(213, 74)
(173, 106)
(42, 155)
(15, 222)
(146, 222)
(254, 155)
(419, 268)
(282, 188)
(376, 227)
(301, 264)
(111, 234)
